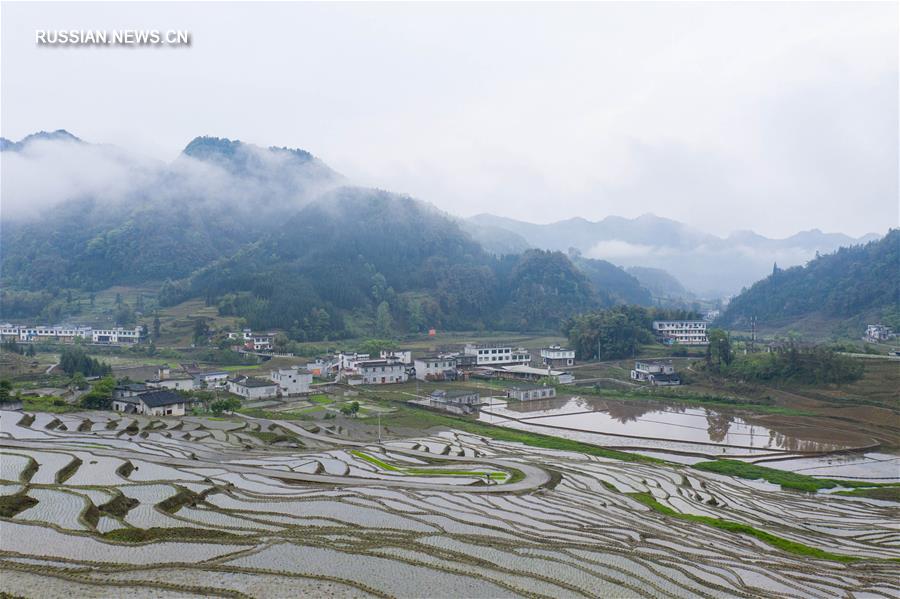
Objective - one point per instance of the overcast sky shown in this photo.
(766, 116)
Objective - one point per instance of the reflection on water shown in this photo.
(870, 466)
(664, 422)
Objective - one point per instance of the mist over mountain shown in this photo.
(272, 235)
(707, 265)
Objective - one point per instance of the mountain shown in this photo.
(272, 235)
(660, 283)
(17, 146)
(495, 240)
(707, 265)
(852, 284)
(619, 286)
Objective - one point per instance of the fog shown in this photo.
(776, 117)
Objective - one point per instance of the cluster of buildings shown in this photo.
(69, 333)
(250, 341)
(681, 332)
(398, 366)
(878, 333)
(281, 382)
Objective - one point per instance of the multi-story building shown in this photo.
(292, 381)
(681, 332)
(655, 372)
(530, 392)
(116, 335)
(68, 334)
(435, 368)
(381, 372)
(493, 355)
(557, 356)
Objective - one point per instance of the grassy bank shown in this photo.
(787, 480)
(737, 527)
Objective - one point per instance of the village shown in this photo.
(456, 378)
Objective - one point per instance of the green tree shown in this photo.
(101, 394)
(384, 324)
(718, 353)
(201, 331)
(374, 347)
(157, 326)
(351, 409)
(281, 342)
(5, 390)
(79, 382)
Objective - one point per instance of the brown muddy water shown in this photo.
(667, 423)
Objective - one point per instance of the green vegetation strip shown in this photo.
(141, 535)
(427, 471)
(787, 480)
(271, 437)
(882, 493)
(737, 527)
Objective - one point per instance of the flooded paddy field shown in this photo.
(680, 432)
(193, 508)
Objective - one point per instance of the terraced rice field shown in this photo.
(258, 508)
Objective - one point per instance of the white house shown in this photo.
(876, 333)
(380, 372)
(655, 372)
(318, 367)
(557, 356)
(349, 360)
(681, 332)
(68, 333)
(530, 392)
(292, 381)
(182, 382)
(254, 341)
(116, 336)
(492, 355)
(435, 368)
(26, 333)
(152, 403)
(459, 401)
(252, 388)
(211, 379)
(530, 373)
(404, 356)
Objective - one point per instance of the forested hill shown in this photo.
(359, 260)
(275, 236)
(855, 282)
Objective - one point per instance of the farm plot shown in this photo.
(444, 515)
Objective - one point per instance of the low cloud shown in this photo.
(45, 173)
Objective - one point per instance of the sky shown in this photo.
(775, 117)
